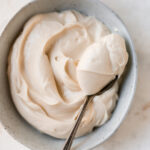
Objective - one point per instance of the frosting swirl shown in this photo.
(56, 61)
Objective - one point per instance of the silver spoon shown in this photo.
(88, 99)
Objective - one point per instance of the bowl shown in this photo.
(16, 126)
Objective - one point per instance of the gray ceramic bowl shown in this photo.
(13, 122)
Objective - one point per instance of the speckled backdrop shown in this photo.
(134, 133)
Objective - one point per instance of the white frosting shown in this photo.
(56, 61)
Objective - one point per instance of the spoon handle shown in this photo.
(75, 128)
(87, 100)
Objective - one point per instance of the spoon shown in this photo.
(88, 99)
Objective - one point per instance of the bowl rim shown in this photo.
(134, 59)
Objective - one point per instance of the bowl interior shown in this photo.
(9, 117)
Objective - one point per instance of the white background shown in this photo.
(134, 133)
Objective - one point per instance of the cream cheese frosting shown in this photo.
(57, 60)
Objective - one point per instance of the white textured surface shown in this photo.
(134, 133)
